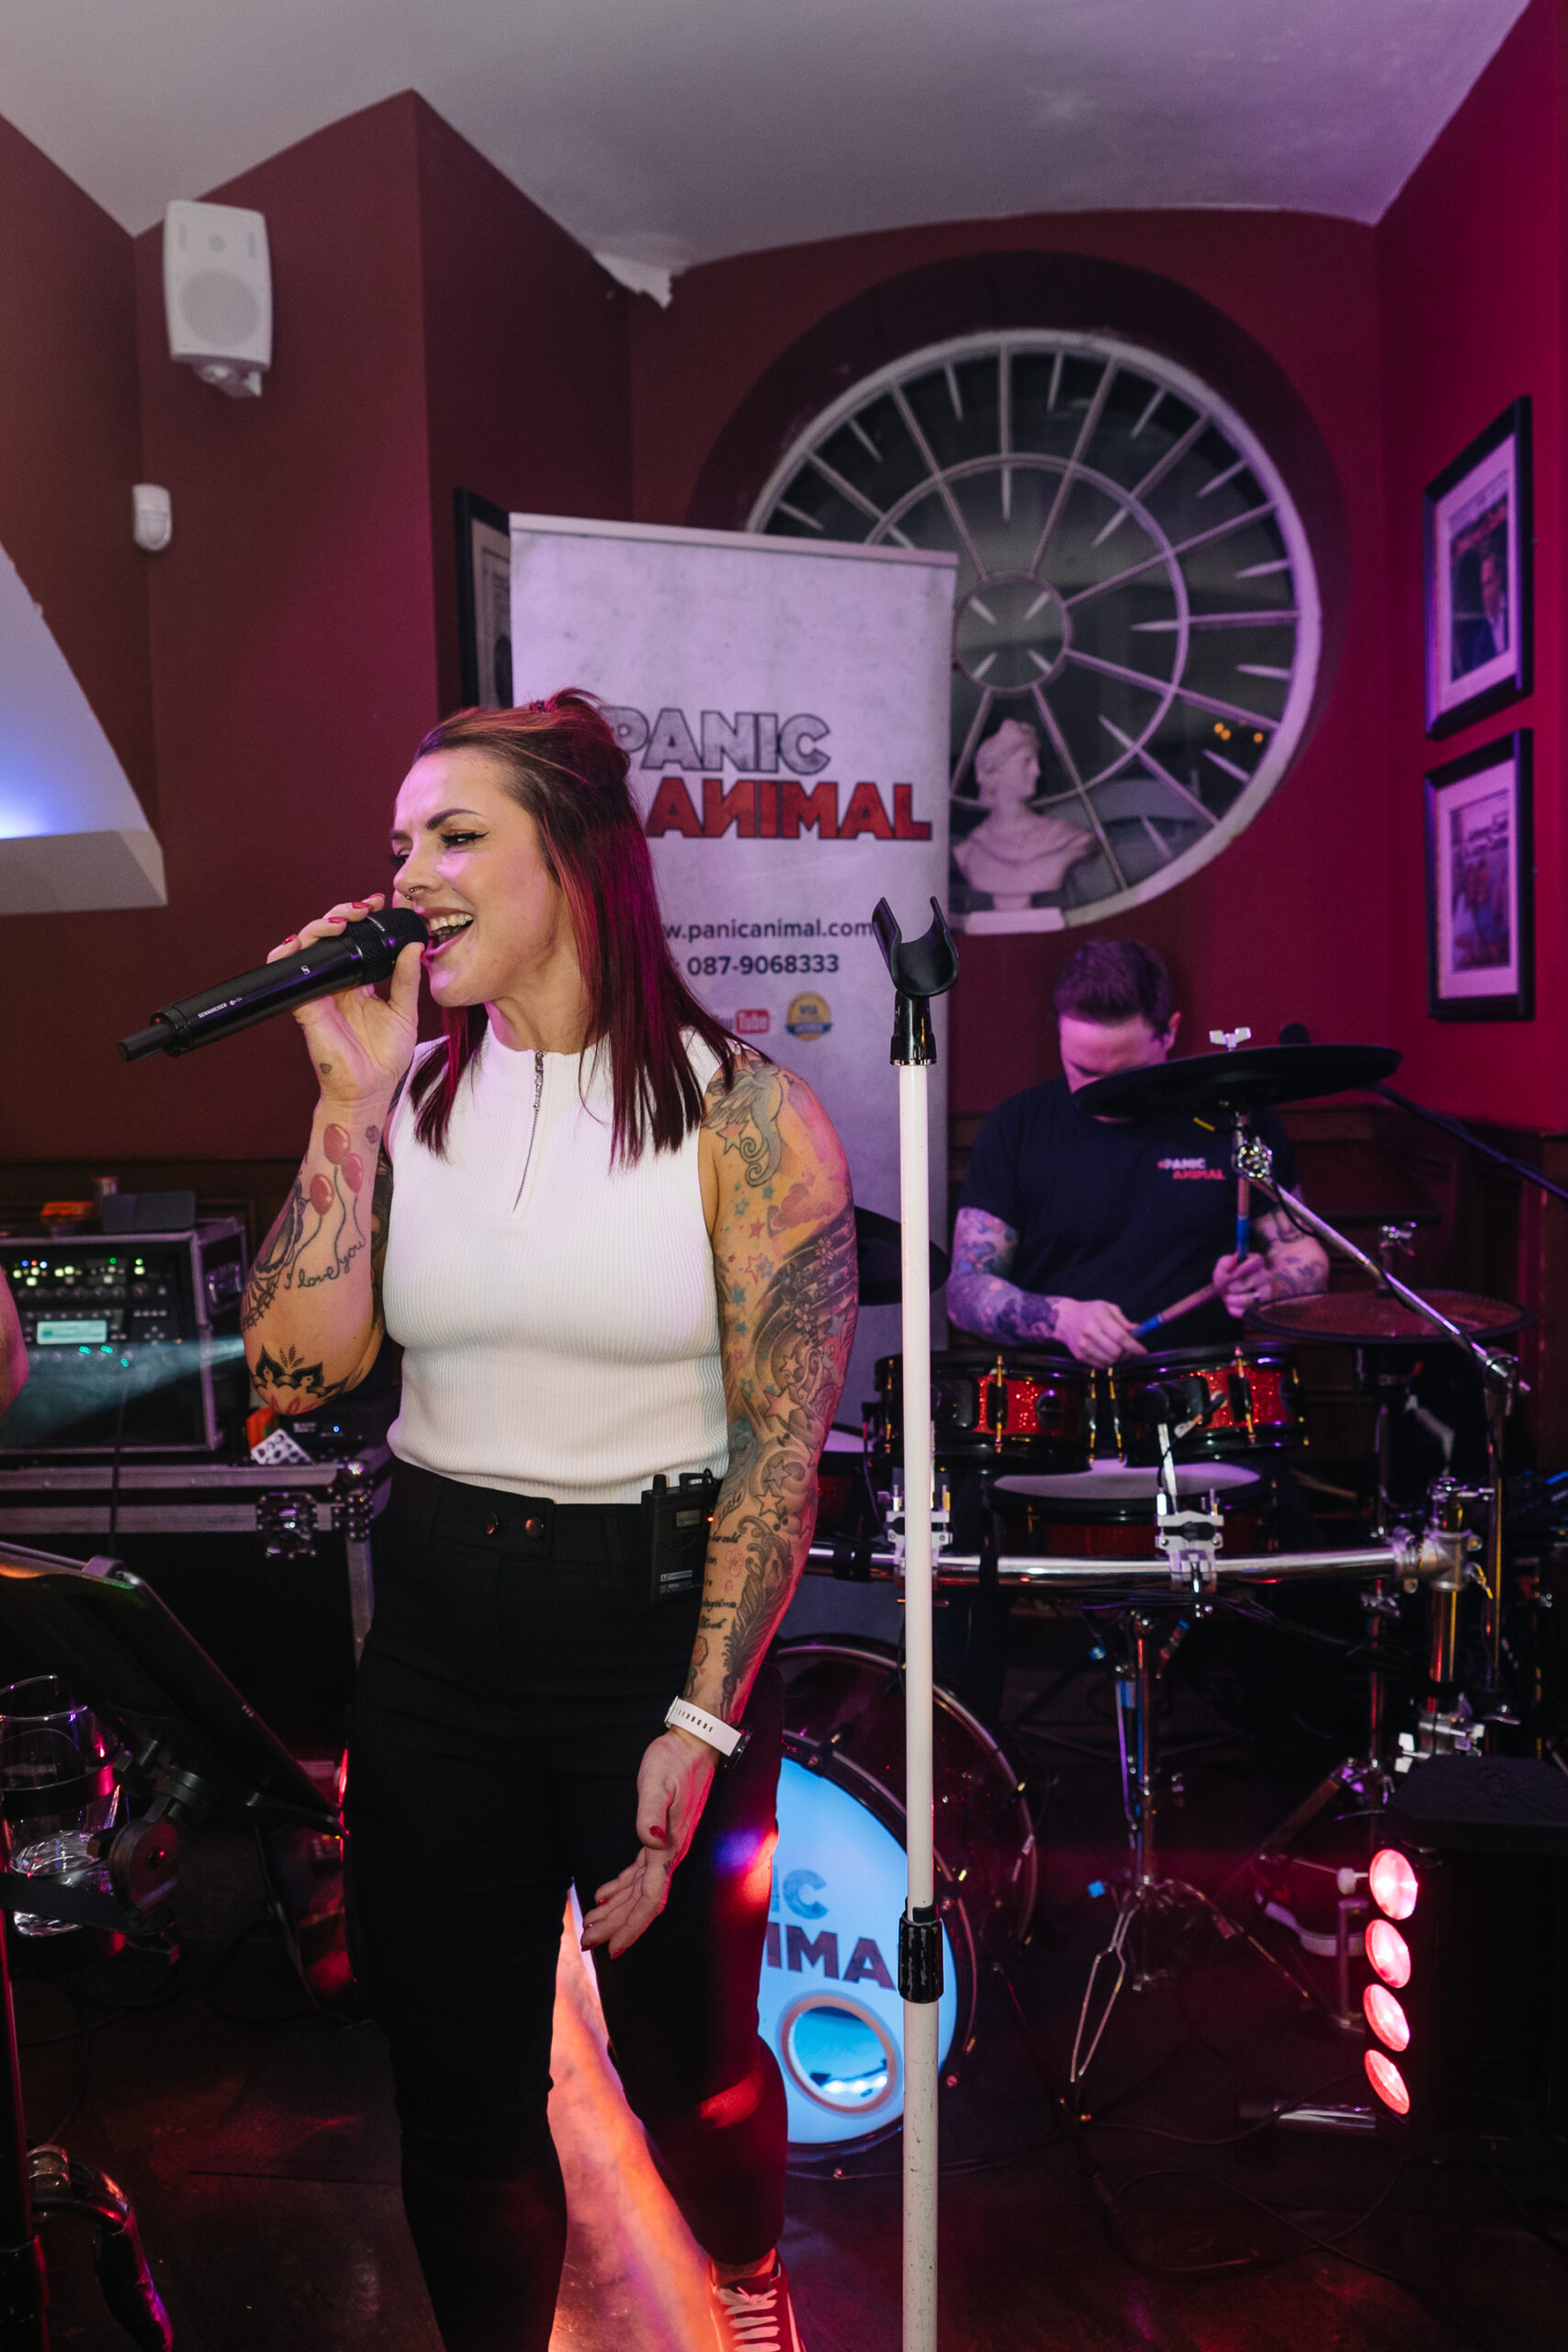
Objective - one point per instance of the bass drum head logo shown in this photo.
(827, 2003)
(810, 1015)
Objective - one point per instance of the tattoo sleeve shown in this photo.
(330, 1236)
(784, 1254)
(1297, 1261)
(979, 1296)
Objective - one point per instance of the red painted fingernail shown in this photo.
(293, 935)
(359, 902)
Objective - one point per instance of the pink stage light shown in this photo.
(1392, 1883)
(1387, 2081)
(1389, 1953)
(1386, 2017)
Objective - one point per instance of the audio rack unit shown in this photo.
(133, 1340)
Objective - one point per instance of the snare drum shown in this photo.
(1246, 1401)
(828, 2003)
(1012, 1410)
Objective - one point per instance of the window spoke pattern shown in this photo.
(1134, 587)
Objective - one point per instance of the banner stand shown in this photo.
(920, 969)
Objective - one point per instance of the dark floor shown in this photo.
(257, 2144)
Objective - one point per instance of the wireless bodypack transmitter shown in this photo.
(677, 1518)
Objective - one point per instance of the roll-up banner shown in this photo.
(785, 708)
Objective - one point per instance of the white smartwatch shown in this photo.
(729, 1742)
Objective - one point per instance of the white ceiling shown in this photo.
(674, 132)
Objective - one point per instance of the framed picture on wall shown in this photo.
(484, 601)
(1478, 540)
(1480, 886)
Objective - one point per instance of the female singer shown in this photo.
(614, 1246)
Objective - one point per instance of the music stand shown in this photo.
(112, 1640)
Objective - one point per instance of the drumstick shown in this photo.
(1183, 1306)
(1243, 1217)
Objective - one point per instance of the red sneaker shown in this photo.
(754, 2314)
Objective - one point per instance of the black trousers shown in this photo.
(513, 1676)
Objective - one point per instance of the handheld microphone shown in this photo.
(362, 952)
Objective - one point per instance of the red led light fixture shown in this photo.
(1387, 2081)
(1389, 1953)
(1386, 2017)
(1392, 1883)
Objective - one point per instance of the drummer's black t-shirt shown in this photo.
(1136, 1211)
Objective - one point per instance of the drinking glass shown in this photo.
(59, 1789)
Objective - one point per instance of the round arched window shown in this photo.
(1136, 631)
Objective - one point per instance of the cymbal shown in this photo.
(1218, 1087)
(1373, 1318)
(878, 1259)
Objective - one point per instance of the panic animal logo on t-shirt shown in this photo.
(1187, 1170)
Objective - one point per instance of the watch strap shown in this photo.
(726, 1737)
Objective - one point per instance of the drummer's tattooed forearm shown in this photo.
(979, 1297)
(785, 1252)
(1297, 1261)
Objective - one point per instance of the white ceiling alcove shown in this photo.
(73, 833)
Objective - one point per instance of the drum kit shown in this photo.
(1145, 1493)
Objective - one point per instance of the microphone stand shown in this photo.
(920, 969)
(1457, 1129)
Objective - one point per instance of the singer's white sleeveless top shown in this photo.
(556, 1311)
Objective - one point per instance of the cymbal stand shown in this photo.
(1189, 1538)
(1501, 1386)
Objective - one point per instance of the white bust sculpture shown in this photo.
(1013, 853)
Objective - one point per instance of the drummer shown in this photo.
(1073, 1229)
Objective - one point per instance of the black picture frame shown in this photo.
(1478, 575)
(484, 610)
(1481, 884)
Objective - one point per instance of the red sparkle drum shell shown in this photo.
(1014, 1409)
(1249, 1397)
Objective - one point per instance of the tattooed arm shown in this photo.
(1284, 1262)
(981, 1299)
(311, 1312)
(783, 1236)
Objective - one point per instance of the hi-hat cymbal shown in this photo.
(877, 1258)
(1217, 1087)
(1367, 1318)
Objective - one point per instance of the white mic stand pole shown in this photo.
(920, 969)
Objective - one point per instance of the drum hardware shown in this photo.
(1499, 1372)
(1443, 1561)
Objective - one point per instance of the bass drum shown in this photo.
(829, 2006)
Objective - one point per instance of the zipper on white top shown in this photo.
(534, 1130)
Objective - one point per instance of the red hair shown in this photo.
(564, 766)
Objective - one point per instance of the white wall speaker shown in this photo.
(218, 294)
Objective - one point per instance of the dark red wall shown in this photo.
(433, 328)
(1470, 262)
(69, 441)
(1289, 923)
(525, 357)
